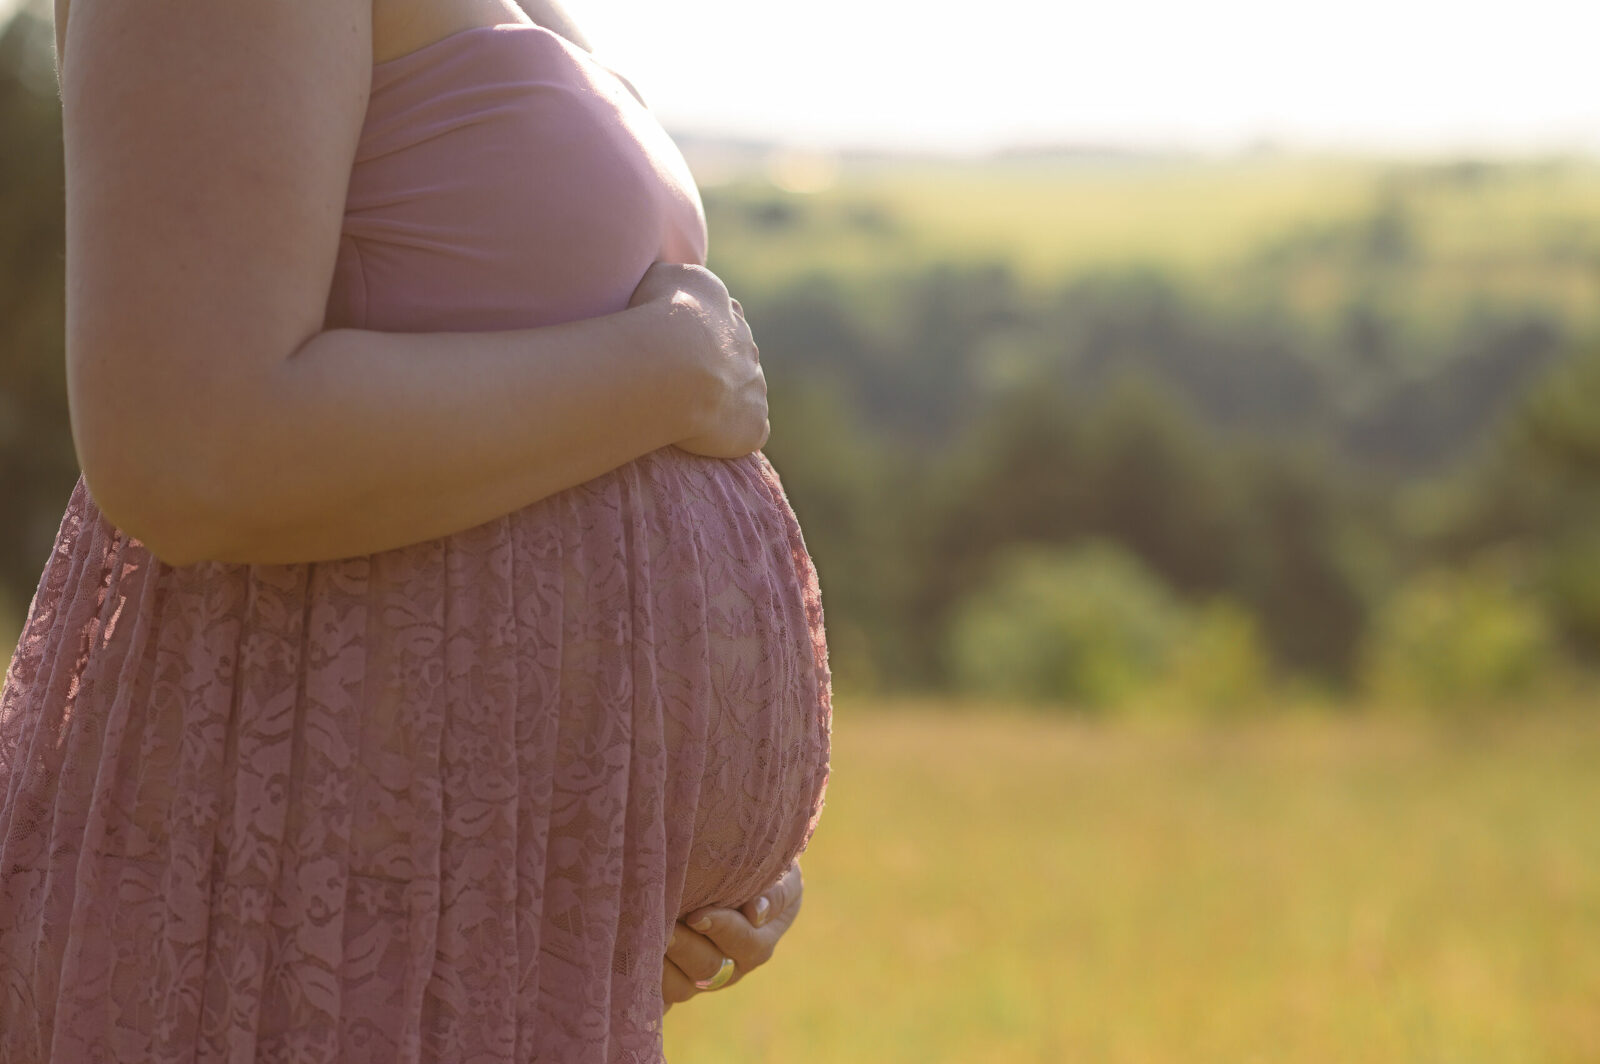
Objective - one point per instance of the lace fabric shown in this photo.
(434, 805)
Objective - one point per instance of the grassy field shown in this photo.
(1043, 220)
(1313, 889)
(1013, 889)
(1525, 233)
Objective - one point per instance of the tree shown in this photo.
(37, 463)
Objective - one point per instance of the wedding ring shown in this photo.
(720, 980)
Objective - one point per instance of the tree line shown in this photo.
(1088, 488)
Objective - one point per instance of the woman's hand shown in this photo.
(731, 419)
(748, 935)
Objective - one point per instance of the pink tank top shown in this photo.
(588, 190)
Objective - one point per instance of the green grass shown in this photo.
(991, 887)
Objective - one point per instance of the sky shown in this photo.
(1391, 75)
(1423, 76)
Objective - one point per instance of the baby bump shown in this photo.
(623, 687)
(748, 752)
(498, 755)
(661, 628)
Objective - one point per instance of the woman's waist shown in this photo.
(679, 535)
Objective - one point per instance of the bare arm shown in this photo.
(208, 147)
(366, 441)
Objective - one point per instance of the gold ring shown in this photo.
(720, 980)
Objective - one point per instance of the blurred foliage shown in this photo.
(37, 462)
(1090, 627)
(1351, 398)
(1221, 666)
(1296, 403)
(1536, 491)
(1458, 638)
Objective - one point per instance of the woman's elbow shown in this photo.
(165, 498)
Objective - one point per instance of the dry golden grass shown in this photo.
(1009, 888)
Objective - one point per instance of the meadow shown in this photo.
(1523, 232)
(998, 886)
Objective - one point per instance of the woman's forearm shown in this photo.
(364, 441)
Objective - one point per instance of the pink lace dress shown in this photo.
(441, 803)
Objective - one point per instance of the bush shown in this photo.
(1087, 625)
(1221, 664)
(1571, 587)
(1457, 637)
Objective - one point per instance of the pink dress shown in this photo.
(441, 803)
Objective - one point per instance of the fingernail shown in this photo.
(762, 905)
(702, 924)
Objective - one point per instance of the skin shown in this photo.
(184, 366)
(748, 934)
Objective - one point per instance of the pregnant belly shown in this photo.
(491, 767)
(626, 682)
(708, 585)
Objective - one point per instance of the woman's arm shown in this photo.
(364, 441)
(208, 152)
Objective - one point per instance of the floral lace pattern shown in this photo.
(436, 805)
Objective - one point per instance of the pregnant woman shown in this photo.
(427, 634)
